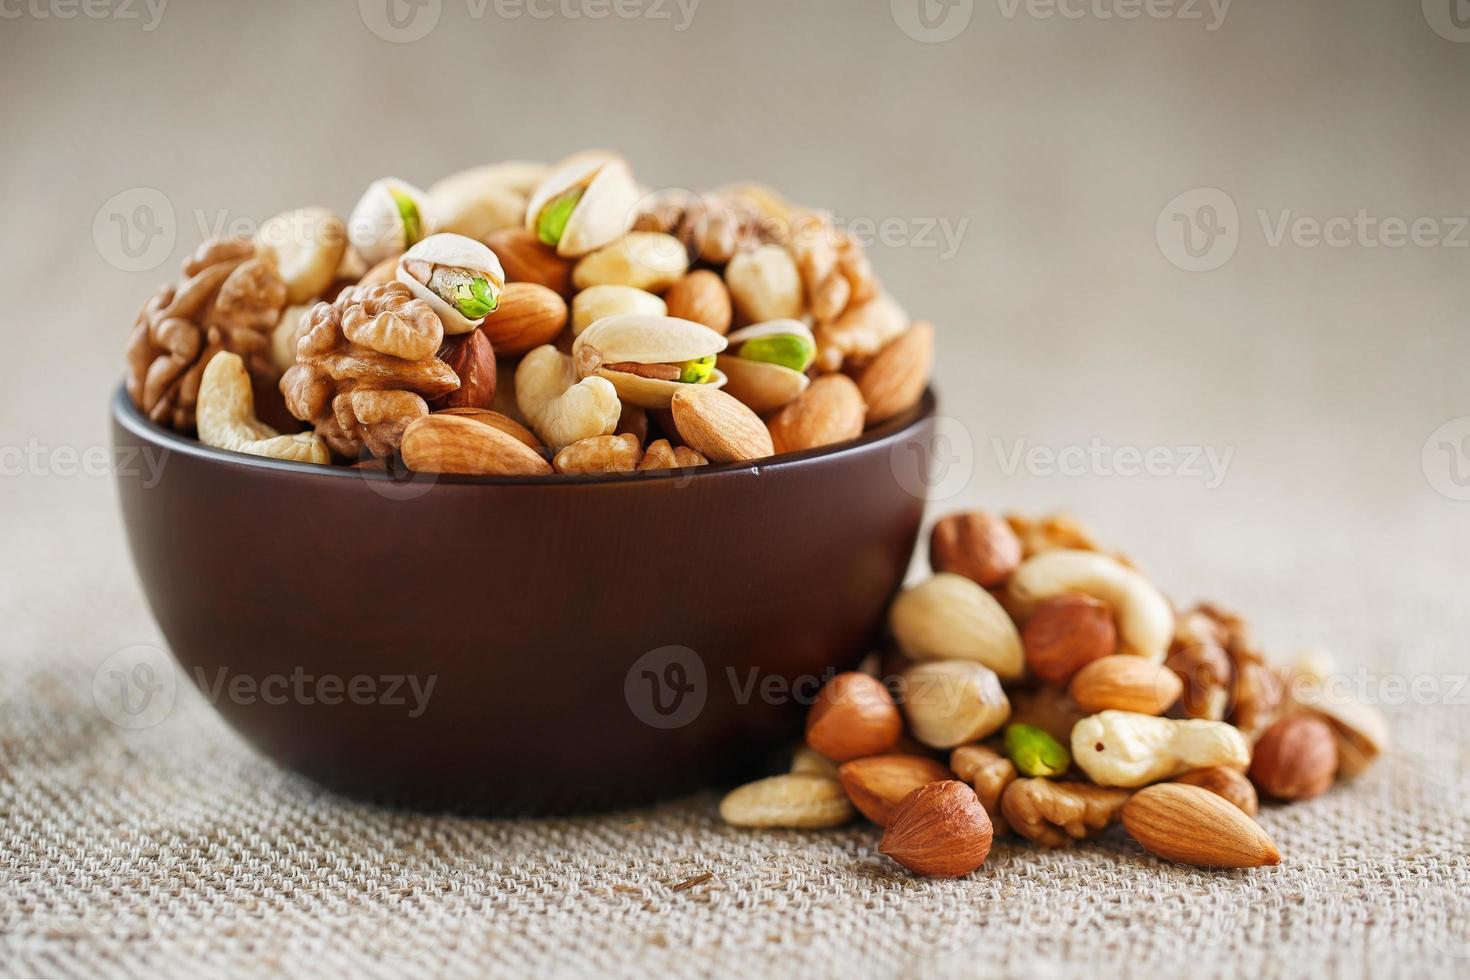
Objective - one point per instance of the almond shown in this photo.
(939, 830)
(1194, 826)
(1227, 783)
(831, 410)
(895, 380)
(877, 784)
(799, 800)
(980, 546)
(496, 420)
(1066, 633)
(529, 315)
(853, 716)
(701, 296)
(1125, 683)
(472, 358)
(718, 426)
(525, 259)
(454, 444)
(1296, 758)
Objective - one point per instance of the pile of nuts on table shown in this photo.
(1042, 686)
(519, 319)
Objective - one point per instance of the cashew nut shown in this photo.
(1145, 618)
(949, 617)
(1122, 748)
(560, 408)
(226, 417)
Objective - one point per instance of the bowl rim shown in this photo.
(126, 414)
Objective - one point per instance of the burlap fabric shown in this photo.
(177, 851)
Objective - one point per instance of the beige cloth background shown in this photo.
(1051, 145)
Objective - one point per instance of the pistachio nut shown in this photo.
(1036, 753)
(457, 276)
(591, 305)
(391, 217)
(587, 201)
(647, 260)
(649, 358)
(766, 363)
(480, 201)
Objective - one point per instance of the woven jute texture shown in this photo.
(176, 851)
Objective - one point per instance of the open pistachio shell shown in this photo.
(647, 339)
(601, 214)
(455, 252)
(391, 217)
(764, 385)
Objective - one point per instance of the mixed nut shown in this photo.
(1037, 685)
(521, 319)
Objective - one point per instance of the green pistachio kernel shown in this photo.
(697, 372)
(554, 217)
(408, 212)
(475, 299)
(786, 349)
(470, 293)
(1036, 753)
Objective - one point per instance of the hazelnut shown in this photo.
(977, 545)
(854, 716)
(1066, 633)
(1296, 759)
(472, 358)
(939, 830)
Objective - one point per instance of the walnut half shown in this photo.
(1055, 814)
(366, 368)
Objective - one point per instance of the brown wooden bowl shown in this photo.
(591, 641)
